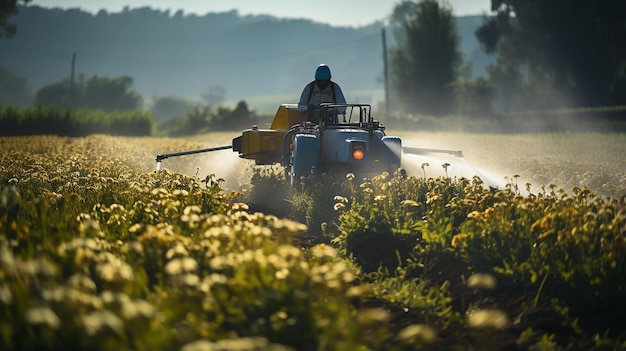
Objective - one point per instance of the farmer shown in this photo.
(319, 91)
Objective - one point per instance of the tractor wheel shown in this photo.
(394, 149)
(304, 156)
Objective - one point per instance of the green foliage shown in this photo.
(97, 253)
(312, 199)
(60, 121)
(168, 107)
(570, 245)
(473, 98)
(101, 256)
(269, 192)
(427, 58)
(238, 118)
(433, 303)
(7, 8)
(205, 118)
(196, 121)
(565, 247)
(100, 93)
(399, 214)
(14, 89)
(541, 65)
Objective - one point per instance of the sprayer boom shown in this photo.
(331, 137)
(162, 157)
(425, 151)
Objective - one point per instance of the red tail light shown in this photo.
(357, 149)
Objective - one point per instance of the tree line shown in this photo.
(55, 120)
(110, 105)
(549, 55)
(558, 55)
(175, 53)
(8, 8)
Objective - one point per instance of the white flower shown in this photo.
(43, 316)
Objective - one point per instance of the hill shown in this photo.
(184, 54)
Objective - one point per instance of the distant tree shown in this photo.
(241, 117)
(107, 94)
(214, 95)
(7, 8)
(556, 53)
(402, 13)
(426, 61)
(14, 89)
(168, 107)
(473, 98)
(55, 94)
(196, 121)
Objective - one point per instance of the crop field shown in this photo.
(517, 246)
(565, 160)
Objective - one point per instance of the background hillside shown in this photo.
(256, 58)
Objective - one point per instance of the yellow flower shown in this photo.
(43, 316)
(98, 321)
(180, 265)
(488, 318)
(374, 316)
(459, 240)
(240, 206)
(545, 234)
(282, 273)
(481, 281)
(323, 250)
(418, 332)
(409, 203)
(340, 199)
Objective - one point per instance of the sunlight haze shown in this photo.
(336, 13)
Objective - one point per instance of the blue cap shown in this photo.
(322, 72)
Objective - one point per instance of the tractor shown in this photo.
(332, 138)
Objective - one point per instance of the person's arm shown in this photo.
(339, 94)
(303, 103)
(340, 98)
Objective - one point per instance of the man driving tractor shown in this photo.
(321, 90)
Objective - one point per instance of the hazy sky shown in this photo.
(334, 12)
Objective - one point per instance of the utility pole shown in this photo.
(386, 74)
(72, 81)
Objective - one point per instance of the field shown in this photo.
(98, 251)
(566, 160)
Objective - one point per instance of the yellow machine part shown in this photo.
(265, 146)
(287, 116)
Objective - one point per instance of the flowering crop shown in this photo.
(99, 252)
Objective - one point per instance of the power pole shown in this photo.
(386, 74)
(72, 81)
